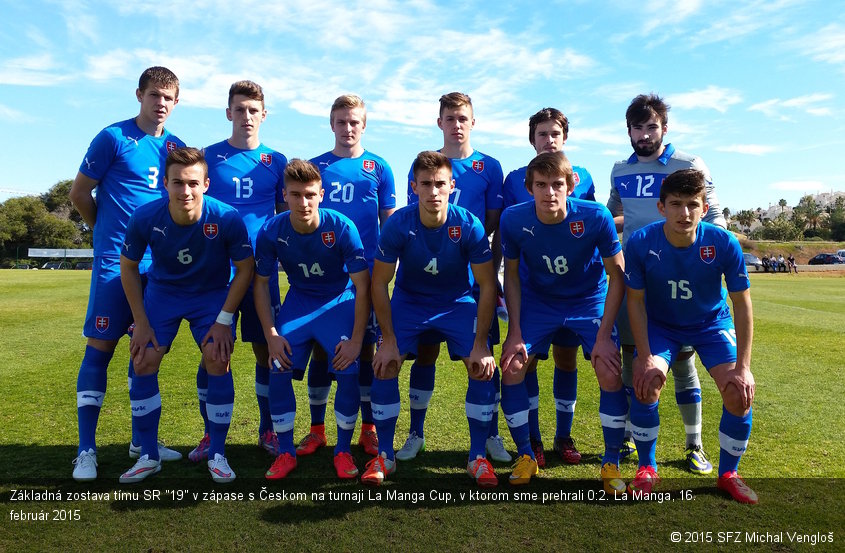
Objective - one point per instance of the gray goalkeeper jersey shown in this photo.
(635, 188)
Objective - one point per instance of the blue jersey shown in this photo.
(433, 263)
(251, 181)
(478, 184)
(187, 258)
(514, 191)
(318, 263)
(562, 261)
(683, 286)
(129, 167)
(359, 188)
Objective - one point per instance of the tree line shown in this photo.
(50, 221)
(808, 221)
(45, 221)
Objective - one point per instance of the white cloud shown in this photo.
(11, 114)
(827, 44)
(35, 70)
(712, 97)
(748, 149)
(782, 109)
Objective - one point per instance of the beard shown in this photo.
(646, 149)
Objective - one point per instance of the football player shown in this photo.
(358, 184)
(634, 187)
(247, 175)
(548, 130)
(123, 164)
(478, 188)
(434, 243)
(674, 271)
(192, 239)
(322, 254)
(557, 250)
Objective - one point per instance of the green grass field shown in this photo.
(794, 459)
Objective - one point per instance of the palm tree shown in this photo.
(782, 204)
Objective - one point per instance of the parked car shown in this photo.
(752, 260)
(826, 259)
(84, 266)
(841, 253)
(52, 265)
(22, 266)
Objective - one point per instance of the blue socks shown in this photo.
(319, 387)
(346, 400)
(221, 399)
(145, 401)
(283, 408)
(532, 387)
(515, 408)
(733, 439)
(90, 390)
(421, 389)
(565, 389)
(202, 394)
(645, 425)
(365, 383)
(385, 400)
(480, 405)
(262, 395)
(613, 410)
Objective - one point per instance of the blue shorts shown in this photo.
(166, 309)
(251, 330)
(623, 325)
(493, 336)
(546, 321)
(416, 324)
(304, 320)
(715, 344)
(108, 316)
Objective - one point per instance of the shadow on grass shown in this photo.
(434, 482)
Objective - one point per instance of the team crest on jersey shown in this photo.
(478, 166)
(707, 253)
(454, 234)
(267, 159)
(576, 177)
(577, 228)
(368, 165)
(328, 238)
(102, 323)
(210, 230)
(170, 146)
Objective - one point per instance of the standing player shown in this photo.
(123, 163)
(554, 281)
(322, 254)
(634, 185)
(359, 185)
(192, 240)
(247, 175)
(478, 189)
(548, 130)
(675, 297)
(434, 243)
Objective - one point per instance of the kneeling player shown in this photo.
(561, 285)
(675, 297)
(433, 241)
(321, 253)
(192, 240)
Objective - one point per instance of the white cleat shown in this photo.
(220, 470)
(165, 454)
(496, 449)
(85, 469)
(413, 445)
(143, 468)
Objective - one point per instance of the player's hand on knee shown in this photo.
(743, 382)
(386, 360)
(648, 376)
(514, 356)
(142, 335)
(345, 353)
(222, 344)
(481, 364)
(280, 352)
(606, 355)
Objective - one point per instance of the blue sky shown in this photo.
(755, 87)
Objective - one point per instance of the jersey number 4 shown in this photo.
(431, 267)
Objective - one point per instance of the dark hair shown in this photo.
(302, 171)
(430, 161)
(185, 156)
(552, 164)
(547, 114)
(158, 76)
(644, 106)
(454, 100)
(249, 89)
(686, 182)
